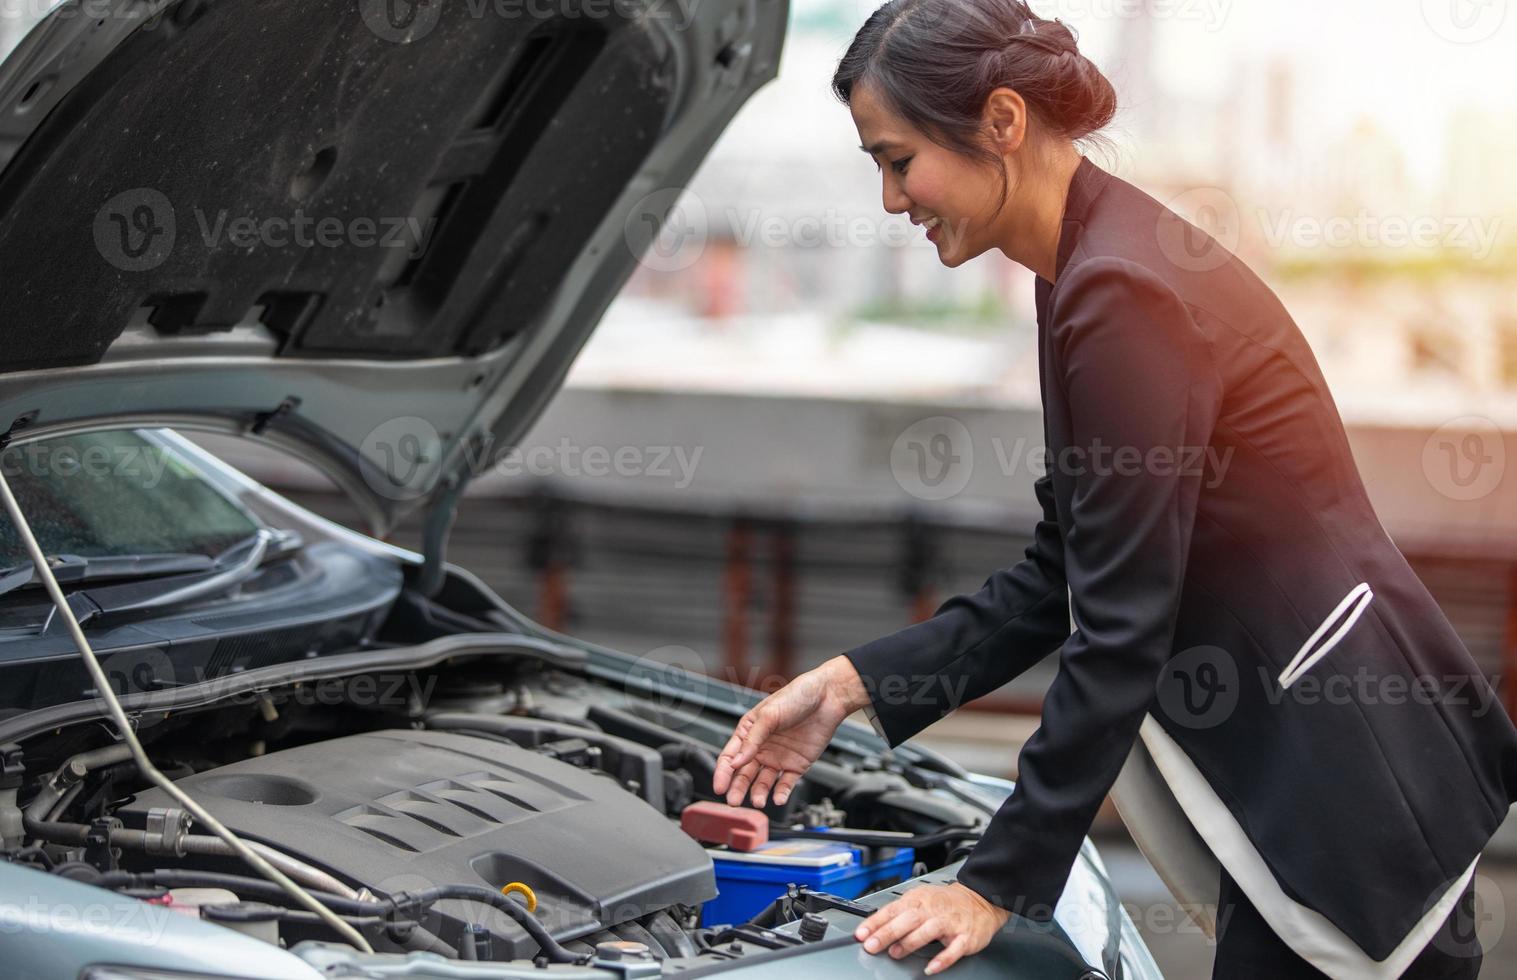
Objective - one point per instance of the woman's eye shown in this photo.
(899, 166)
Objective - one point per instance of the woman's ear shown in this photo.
(1005, 119)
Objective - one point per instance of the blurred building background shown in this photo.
(795, 431)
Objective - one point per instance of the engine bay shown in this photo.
(522, 807)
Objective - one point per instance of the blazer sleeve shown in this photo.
(973, 643)
(1138, 379)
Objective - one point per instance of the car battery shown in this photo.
(748, 881)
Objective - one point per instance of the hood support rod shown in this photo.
(144, 765)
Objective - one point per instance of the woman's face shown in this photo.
(927, 182)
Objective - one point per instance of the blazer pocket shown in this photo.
(1354, 604)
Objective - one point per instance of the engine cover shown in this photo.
(402, 810)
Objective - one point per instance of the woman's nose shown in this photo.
(895, 199)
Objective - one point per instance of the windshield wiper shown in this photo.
(137, 590)
(68, 569)
(228, 572)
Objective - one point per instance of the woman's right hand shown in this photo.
(780, 737)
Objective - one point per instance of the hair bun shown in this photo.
(1059, 40)
(935, 62)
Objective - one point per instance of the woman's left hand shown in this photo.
(953, 914)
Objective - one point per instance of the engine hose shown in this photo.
(31, 853)
(674, 939)
(140, 840)
(633, 931)
(67, 777)
(549, 946)
(563, 719)
(417, 939)
(297, 869)
(421, 940)
(350, 909)
(242, 885)
(401, 901)
(699, 762)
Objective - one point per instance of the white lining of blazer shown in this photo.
(1298, 665)
(1306, 931)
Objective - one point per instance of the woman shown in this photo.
(1241, 618)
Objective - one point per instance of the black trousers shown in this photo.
(1248, 949)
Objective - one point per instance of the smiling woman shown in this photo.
(1200, 596)
(923, 80)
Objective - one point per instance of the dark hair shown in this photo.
(935, 62)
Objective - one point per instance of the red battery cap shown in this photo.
(740, 828)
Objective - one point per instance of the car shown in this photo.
(458, 791)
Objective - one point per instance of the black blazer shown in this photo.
(1224, 563)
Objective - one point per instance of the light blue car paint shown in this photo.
(52, 927)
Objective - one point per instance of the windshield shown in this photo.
(115, 493)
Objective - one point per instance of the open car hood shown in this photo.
(370, 232)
